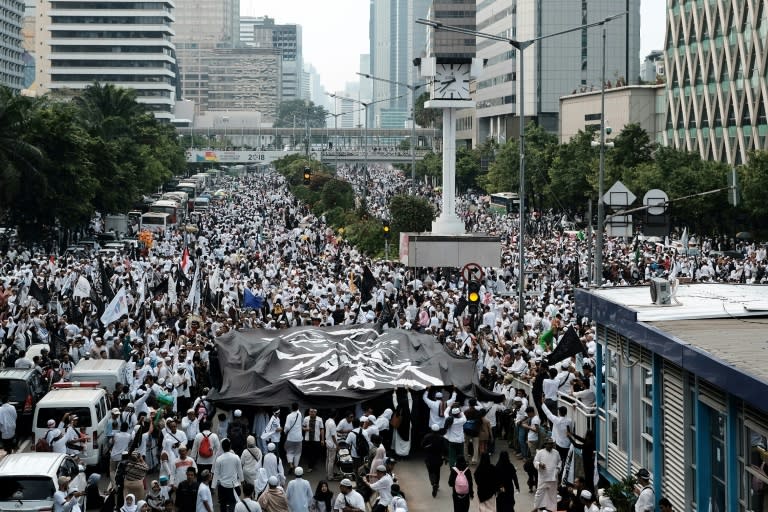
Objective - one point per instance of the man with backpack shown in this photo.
(205, 447)
(45, 443)
(358, 444)
(646, 500)
(461, 482)
(472, 430)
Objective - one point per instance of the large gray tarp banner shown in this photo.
(332, 366)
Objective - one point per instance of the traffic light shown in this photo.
(473, 296)
(385, 229)
(307, 175)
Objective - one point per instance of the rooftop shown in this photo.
(693, 301)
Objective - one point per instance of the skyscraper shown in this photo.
(264, 32)
(11, 64)
(201, 27)
(395, 41)
(717, 85)
(554, 66)
(129, 45)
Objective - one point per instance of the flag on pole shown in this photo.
(569, 345)
(185, 263)
(82, 288)
(116, 309)
(252, 301)
(193, 299)
(171, 289)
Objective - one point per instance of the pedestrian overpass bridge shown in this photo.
(249, 145)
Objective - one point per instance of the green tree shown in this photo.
(427, 117)
(503, 171)
(540, 150)
(19, 158)
(298, 110)
(569, 177)
(430, 165)
(632, 147)
(467, 168)
(754, 183)
(412, 214)
(108, 110)
(337, 194)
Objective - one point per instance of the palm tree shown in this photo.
(107, 108)
(18, 158)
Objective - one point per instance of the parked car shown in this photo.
(24, 388)
(29, 480)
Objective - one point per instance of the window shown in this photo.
(612, 396)
(755, 446)
(646, 413)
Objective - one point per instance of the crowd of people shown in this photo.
(189, 289)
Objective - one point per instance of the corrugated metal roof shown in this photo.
(739, 342)
(693, 301)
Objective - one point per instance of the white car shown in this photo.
(29, 480)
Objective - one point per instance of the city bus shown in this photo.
(171, 207)
(504, 202)
(154, 222)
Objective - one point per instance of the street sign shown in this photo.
(619, 196)
(656, 201)
(472, 272)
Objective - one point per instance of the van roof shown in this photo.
(31, 464)
(65, 396)
(98, 365)
(15, 373)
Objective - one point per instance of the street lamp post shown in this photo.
(365, 105)
(413, 89)
(520, 46)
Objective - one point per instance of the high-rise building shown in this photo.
(554, 66)
(245, 79)
(264, 32)
(717, 83)
(80, 42)
(395, 41)
(200, 28)
(11, 64)
(452, 45)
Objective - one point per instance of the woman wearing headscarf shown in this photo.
(379, 455)
(135, 473)
(130, 504)
(251, 460)
(506, 478)
(166, 469)
(93, 497)
(485, 479)
(155, 498)
(141, 506)
(401, 436)
(323, 497)
(461, 500)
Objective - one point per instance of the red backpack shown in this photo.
(205, 449)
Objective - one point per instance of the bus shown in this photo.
(504, 202)
(154, 222)
(182, 198)
(172, 208)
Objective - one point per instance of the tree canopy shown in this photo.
(62, 161)
(296, 113)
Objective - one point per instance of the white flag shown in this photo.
(82, 288)
(171, 289)
(194, 293)
(117, 308)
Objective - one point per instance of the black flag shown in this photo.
(569, 345)
(38, 293)
(367, 285)
(106, 289)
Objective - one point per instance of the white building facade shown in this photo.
(11, 64)
(126, 44)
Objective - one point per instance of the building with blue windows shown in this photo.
(685, 391)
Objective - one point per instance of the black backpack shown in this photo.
(361, 444)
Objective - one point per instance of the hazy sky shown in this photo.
(336, 31)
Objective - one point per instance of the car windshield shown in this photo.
(26, 488)
(55, 413)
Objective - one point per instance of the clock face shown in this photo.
(451, 82)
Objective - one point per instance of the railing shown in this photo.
(583, 416)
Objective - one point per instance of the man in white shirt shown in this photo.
(227, 476)
(247, 503)
(120, 443)
(547, 462)
(8, 425)
(532, 426)
(293, 437)
(438, 407)
(646, 500)
(454, 434)
(191, 426)
(314, 433)
(561, 426)
(331, 445)
(382, 485)
(205, 461)
(348, 499)
(172, 439)
(204, 497)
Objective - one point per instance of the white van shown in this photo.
(107, 372)
(85, 399)
(29, 480)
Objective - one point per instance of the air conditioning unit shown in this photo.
(661, 292)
